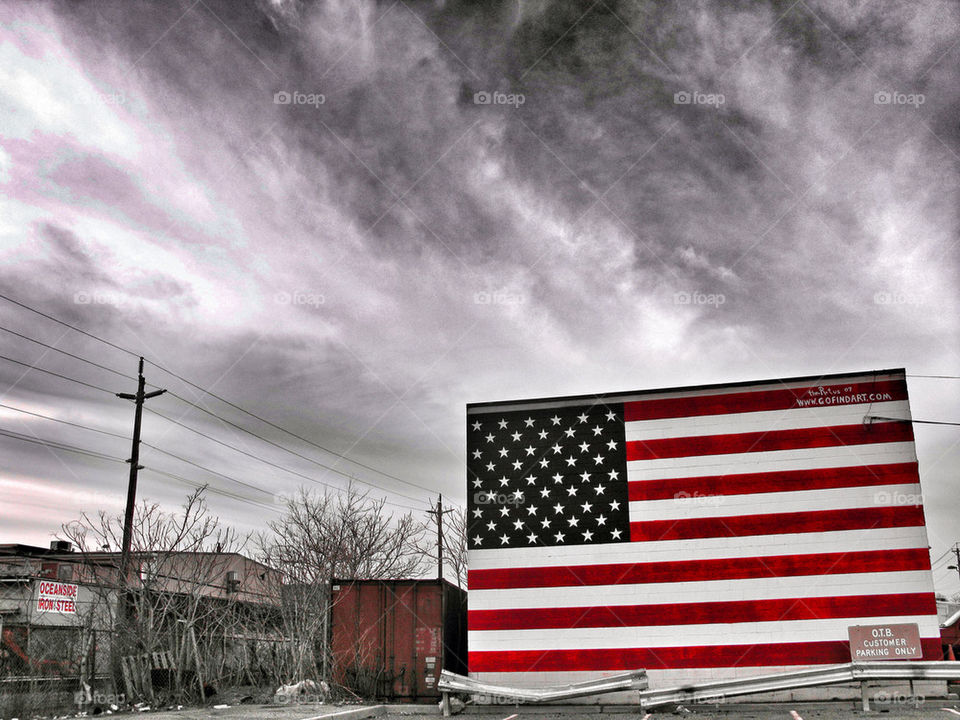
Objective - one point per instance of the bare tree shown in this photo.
(454, 544)
(322, 537)
(176, 599)
(347, 535)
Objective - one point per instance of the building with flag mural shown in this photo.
(702, 533)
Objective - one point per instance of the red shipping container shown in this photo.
(391, 638)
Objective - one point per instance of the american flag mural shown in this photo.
(700, 533)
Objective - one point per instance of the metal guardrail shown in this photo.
(634, 680)
(827, 675)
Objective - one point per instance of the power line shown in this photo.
(227, 402)
(276, 445)
(206, 469)
(942, 557)
(945, 553)
(272, 464)
(908, 420)
(66, 324)
(65, 422)
(50, 372)
(152, 447)
(103, 456)
(60, 446)
(218, 491)
(102, 389)
(288, 432)
(68, 354)
(938, 377)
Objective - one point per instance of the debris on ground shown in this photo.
(456, 705)
(316, 691)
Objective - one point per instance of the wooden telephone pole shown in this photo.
(439, 511)
(134, 467)
(956, 550)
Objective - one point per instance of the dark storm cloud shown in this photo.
(688, 192)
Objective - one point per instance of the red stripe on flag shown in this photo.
(839, 563)
(767, 440)
(782, 481)
(666, 658)
(782, 399)
(701, 613)
(778, 523)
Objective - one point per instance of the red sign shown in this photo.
(885, 642)
(56, 597)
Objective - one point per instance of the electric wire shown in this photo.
(276, 445)
(68, 354)
(152, 447)
(221, 399)
(275, 465)
(65, 422)
(55, 445)
(220, 442)
(60, 446)
(50, 372)
(66, 324)
(178, 457)
(908, 420)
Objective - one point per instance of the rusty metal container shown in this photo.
(390, 639)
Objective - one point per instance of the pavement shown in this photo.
(896, 707)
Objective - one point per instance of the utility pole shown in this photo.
(956, 550)
(134, 467)
(439, 513)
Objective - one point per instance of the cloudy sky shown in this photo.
(353, 217)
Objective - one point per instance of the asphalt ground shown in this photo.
(898, 707)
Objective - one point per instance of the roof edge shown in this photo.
(682, 388)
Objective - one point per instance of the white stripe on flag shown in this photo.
(704, 506)
(773, 460)
(790, 631)
(894, 538)
(851, 584)
(700, 425)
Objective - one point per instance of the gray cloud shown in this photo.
(360, 268)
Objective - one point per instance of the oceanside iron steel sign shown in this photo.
(56, 597)
(885, 642)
